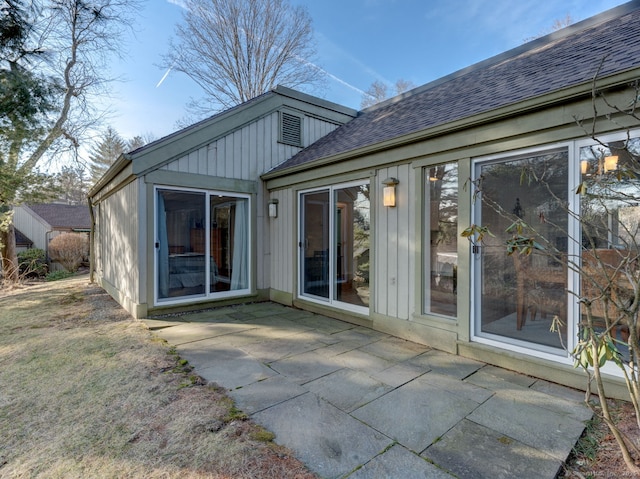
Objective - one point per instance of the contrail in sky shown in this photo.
(164, 77)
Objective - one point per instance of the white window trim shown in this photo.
(316, 299)
(513, 345)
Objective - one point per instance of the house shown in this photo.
(360, 216)
(184, 220)
(40, 223)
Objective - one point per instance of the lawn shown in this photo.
(86, 391)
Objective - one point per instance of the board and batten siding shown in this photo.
(117, 260)
(393, 237)
(283, 249)
(245, 154)
(31, 227)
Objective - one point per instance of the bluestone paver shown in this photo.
(348, 389)
(416, 414)
(473, 451)
(399, 463)
(353, 403)
(329, 441)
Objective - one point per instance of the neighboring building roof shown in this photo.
(606, 44)
(21, 239)
(75, 217)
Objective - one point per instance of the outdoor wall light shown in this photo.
(610, 163)
(273, 208)
(389, 192)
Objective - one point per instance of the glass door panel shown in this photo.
(441, 295)
(229, 242)
(519, 295)
(180, 251)
(351, 245)
(314, 244)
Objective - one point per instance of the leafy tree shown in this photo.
(26, 98)
(379, 91)
(238, 49)
(53, 59)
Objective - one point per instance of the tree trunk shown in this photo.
(9, 255)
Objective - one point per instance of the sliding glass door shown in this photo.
(523, 200)
(334, 246)
(202, 244)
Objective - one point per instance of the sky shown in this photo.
(358, 42)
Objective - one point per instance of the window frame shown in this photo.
(207, 295)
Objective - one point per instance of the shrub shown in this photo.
(56, 275)
(32, 262)
(69, 249)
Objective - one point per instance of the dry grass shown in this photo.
(87, 392)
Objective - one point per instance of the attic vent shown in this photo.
(290, 129)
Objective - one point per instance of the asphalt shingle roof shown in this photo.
(63, 216)
(558, 61)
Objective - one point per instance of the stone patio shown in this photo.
(356, 403)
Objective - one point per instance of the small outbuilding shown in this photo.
(40, 223)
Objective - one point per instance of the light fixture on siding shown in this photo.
(389, 192)
(610, 163)
(273, 208)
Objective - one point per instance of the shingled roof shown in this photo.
(74, 217)
(567, 58)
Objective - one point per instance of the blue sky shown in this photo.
(358, 42)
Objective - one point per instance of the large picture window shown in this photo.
(334, 245)
(202, 244)
(441, 234)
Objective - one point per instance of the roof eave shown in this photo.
(533, 103)
(114, 170)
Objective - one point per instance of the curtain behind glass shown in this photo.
(163, 249)
(239, 267)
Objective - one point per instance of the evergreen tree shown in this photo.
(73, 185)
(26, 98)
(105, 153)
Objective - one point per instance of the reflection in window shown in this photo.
(442, 249)
(189, 265)
(610, 220)
(521, 295)
(334, 245)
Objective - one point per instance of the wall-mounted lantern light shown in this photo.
(273, 208)
(389, 192)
